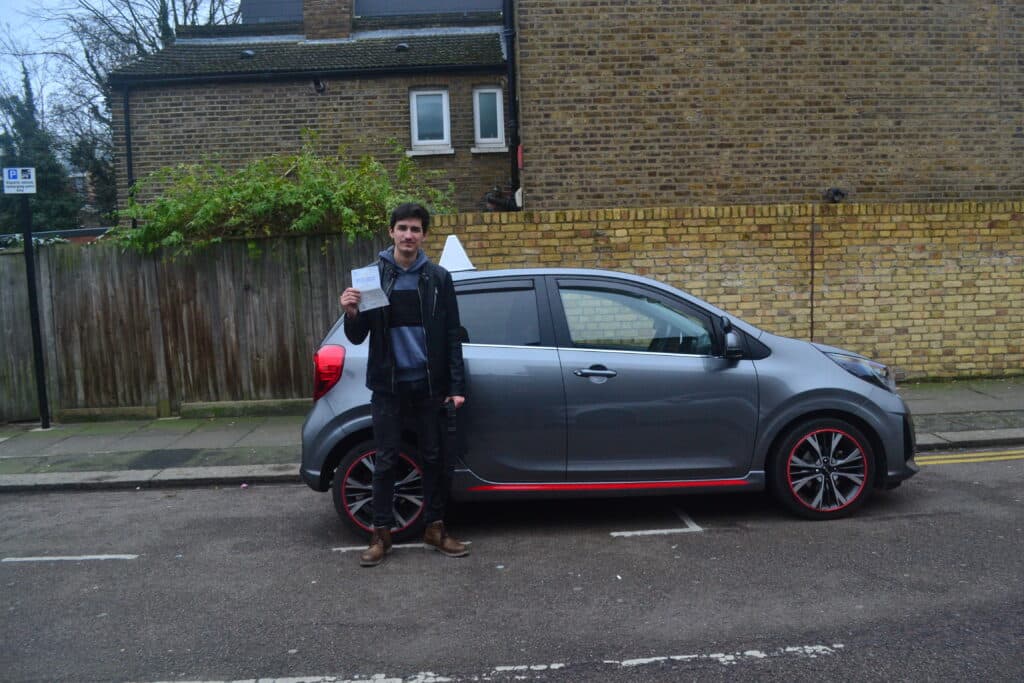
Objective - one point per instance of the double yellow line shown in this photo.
(977, 456)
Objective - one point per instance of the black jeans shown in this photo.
(411, 402)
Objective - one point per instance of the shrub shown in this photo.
(203, 204)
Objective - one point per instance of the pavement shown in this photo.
(248, 450)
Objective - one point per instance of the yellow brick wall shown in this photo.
(936, 289)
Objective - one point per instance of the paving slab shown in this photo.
(275, 431)
(219, 475)
(986, 437)
(960, 396)
(171, 476)
(151, 459)
(176, 425)
(956, 422)
(218, 434)
(75, 480)
(930, 442)
(147, 440)
(117, 427)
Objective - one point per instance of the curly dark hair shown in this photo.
(411, 210)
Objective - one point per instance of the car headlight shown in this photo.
(869, 370)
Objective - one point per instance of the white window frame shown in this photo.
(430, 146)
(484, 145)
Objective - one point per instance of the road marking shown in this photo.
(404, 546)
(523, 671)
(690, 528)
(69, 558)
(352, 548)
(976, 456)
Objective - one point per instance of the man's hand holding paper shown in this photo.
(366, 292)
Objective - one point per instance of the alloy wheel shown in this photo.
(357, 492)
(827, 470)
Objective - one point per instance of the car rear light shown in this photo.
(328, 363)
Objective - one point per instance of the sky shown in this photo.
(14, 17)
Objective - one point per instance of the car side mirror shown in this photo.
(463, 335)
(733, 345)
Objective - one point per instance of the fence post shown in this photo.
(45, 261)
(164, 400)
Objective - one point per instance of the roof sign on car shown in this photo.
(453, 256)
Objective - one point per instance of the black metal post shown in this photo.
(33, 309)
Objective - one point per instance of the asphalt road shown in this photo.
(228, 583)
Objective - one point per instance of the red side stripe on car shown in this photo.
(612, 486)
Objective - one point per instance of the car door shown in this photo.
(513, 415)
(647, 396)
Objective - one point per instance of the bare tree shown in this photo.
(81, 41)
(86, 39)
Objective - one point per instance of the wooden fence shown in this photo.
(123, 331)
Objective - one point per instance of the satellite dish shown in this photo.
(453, 256)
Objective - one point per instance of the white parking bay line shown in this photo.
(352, 548)
(360, 548)
(690, 528)
(69, 558)
(575, 671)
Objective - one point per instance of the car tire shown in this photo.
(823, 469)
(352, 491)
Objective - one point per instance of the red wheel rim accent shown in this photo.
(827, 474)
(411, 474)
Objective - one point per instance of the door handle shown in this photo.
(595, 371)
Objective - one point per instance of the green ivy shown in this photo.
(202, 204)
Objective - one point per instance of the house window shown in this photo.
(430, 120)
(488, 120)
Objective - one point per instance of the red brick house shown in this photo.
(432, 76)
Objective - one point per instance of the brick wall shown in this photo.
(936, 289)
(327, 18)
(667, 102)
(236, 122)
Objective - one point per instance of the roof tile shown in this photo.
(185, 60)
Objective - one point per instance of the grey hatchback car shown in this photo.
(597, 383)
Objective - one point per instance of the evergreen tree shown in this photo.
(26, 142)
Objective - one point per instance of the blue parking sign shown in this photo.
(20, 180)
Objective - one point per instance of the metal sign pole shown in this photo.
(22, 181)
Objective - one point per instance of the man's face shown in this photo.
(408, 236)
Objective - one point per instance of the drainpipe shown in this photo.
(833, 195)
(130, 171)
(814, 232)
(509, 34)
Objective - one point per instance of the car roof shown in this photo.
(533, 272)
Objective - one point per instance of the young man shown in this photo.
(414, 367)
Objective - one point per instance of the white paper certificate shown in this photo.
(367, 281)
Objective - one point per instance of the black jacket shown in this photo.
(441, 326)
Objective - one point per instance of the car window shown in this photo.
(625, 321)
(500, 316)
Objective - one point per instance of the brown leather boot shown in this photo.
(380, 546)
(436, 537)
